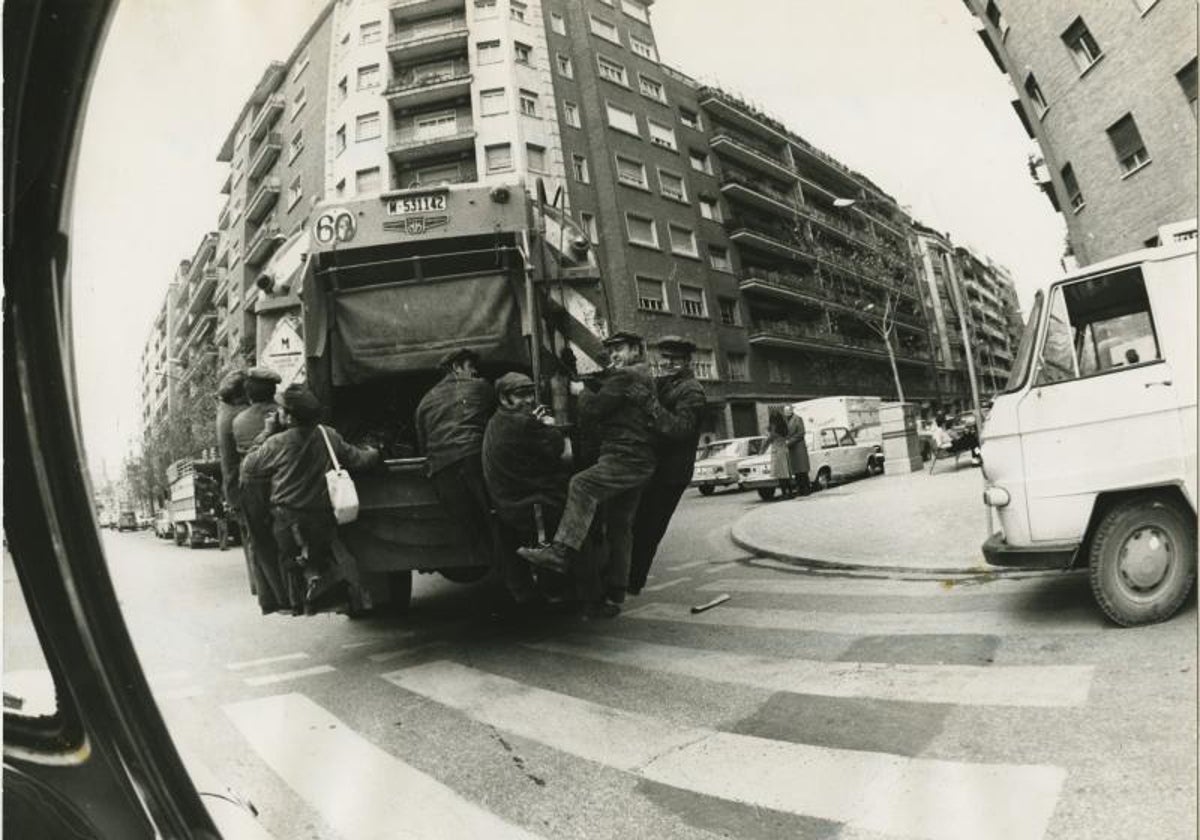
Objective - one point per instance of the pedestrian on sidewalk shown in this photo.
(776, 435)
(797, 444)
(677, 426)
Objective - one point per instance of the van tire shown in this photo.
(766, 493)
(706, 489)
(1143, 524)
(195, 538)
(180, 534)
(823, 479)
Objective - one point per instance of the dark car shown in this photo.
(127, 521)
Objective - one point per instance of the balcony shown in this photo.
(267, 115)
(729, 108)
(780, 284)
(403, 10)
(223, 216)
(201, 290)
(263, 200)
(863, 266)
(263, 244)
(416, 86)
(438, 38)
(413, 142)
(200, 326)
(791, 335)
(753, 155)
(265, 157)
(777, 240)
(757, 193)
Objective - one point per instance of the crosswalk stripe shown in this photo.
(970, 685)
(269, 660)
(797, 585)
(283, 676)
(682, 567)
(935, 799)
(659, 587)
(382, 798)
(875, 624)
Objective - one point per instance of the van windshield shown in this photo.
(1024, 359)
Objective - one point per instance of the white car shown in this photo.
(833, 456)
(719, 465)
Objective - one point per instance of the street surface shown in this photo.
(807, 706)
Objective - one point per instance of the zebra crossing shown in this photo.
(363, 790)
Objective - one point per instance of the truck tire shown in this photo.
(223, 536)
(823, 479)
(464, 574)
(706, 489)
(766, 493)
(195, 539)
(399, 591)
(1142, 562)
(180, 533)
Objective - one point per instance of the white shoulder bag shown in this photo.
(342, 493)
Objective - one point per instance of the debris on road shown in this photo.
(720, 599)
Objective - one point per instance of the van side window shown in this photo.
(845, 438)
(1098, 325)
(828, 439)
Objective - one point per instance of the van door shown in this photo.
(1102, 411)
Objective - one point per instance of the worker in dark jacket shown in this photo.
(450, 421)
(797, 445)
(260, 385)
(620, 416)
(681, 400)
(231, 399)
(295, 461)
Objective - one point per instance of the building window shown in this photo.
(436, 175)
(1144, 5)
(611, 70)
(340, 187)
(1127, 143)
(683, 240)
(523, 53)
(739, 370)
(641, 230)
(366, 181)
(437, 124)
(672, 185)
(635, 10)
(651, 295)
(492, 102)
(1034, 92)
(621, 119)
(1082, 45)
(298, 102)
(630, 171)
(691, 301)
(529, 103)
(488, 52)
(644, 49)
(718, 258)
(778, 374)
(690, 119)
(485, 9)
(703, 365)
(368, 77)
(565, 68)
(367, 126)
(605, 30)
(1187, 81)
(295, 192)
(300, 65)
(558, 23)
(571, 114)
(653, 89)
(296, 145)
(370, 32)
(536, 157)
(700, 162)
(498, 158)
(661, 135)
(579, 166)
(710, 209)
(729, 311)
(1074, 194)
(339, 139)
(516, 10)
(343, 89)
(997, 19)
(588, 220)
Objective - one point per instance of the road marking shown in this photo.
(682, 567)
(312, 750)
(659, 587)
(913, 797)
(270, 660)
(968, 685)
(283, 676)
(387, 656)
(183, 693)
(353, 645)
(877, 624)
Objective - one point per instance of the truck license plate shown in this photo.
(404, 205)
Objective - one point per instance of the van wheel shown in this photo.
(399, 591)
(822, 480)
(195, 538)
(180, 534)
(706, 489)
(1143, 560)
(766, 493)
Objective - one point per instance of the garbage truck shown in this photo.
(364, 306)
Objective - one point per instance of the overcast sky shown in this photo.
(904, 92)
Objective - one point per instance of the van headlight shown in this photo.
(996, 496)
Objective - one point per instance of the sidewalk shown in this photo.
(915, 523)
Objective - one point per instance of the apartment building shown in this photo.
(156, 388)
(1108, 90)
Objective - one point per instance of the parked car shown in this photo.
(145, 522)
(164, 529)
(834, 456)
(719, 466)
(127, 521)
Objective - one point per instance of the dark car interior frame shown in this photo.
(103, 765)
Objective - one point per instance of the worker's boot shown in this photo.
(552, 557)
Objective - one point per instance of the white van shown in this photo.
(1090, 451)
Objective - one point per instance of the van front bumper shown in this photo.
(998, 552)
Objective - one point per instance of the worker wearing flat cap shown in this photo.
(677, 424)
(231, 399)
(294, 462)
(259, 385)
(450, 421)
(619, 416)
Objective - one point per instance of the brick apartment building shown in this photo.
(709, 219)
(1108, 90)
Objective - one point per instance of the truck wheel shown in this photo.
(766, 493)
(1143, 560)
(399, 591)
(822, 480)
(195, 539)
(180, 534)
(706, 489)
(223, 536)
(464, 574)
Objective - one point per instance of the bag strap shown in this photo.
(329, 448)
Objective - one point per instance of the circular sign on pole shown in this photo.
(337, 224)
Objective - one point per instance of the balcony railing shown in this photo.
(402, 9)
(414, 87)
(409, 141)
(751, 154)
(265, 157)
(268, 113)
(721, 100)
(262, 244)
(429, 38)
(223, 216)
(263, 200)
(774, 237)
(733, 178)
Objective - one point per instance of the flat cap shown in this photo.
(459, 355)
(675, 343)
(623, 337)
(510, 382)
(230, 386)
(300, 402)
(263, 373)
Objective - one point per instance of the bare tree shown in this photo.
(880, 318)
